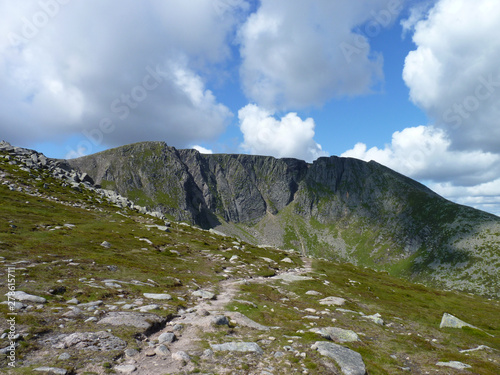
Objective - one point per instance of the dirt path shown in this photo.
(195, 321)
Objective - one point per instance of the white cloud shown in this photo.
(202, 150)
(298, 53)
(80, 63)
(454, 73)
(289, 136)
(425, 153)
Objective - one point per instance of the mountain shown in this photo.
(336, 208)
(95, 284)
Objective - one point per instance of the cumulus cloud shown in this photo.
(425, 153)
(454, 74)
(289, 136)
(119, 74)
(297, 53)
(202, 150)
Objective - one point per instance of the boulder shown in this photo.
(203, 294)
(158, 296)
(375, 318)
(336, 334)
(450, 321)
(167, 337)
(125, 369)
(349, 361)
(332, 301)
(23, 296)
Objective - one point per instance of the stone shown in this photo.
(144, 321)
(234, 258)
(203, 294)
(167, 337)
(106, 244)
(162, 350)
(287, 260)
(73, 301)
(450, 321)
(237, 347)
(290, 278)
(375, 318)
(480, 347)
(144, 309)
(90, 304)
(51, 370)
(23, 296)
(336, 334)
(454, 364)
(181, 356)
(64, 357)
(203, 312)
(125, 369)
(245, 321)
(95, 341)
(349, 361)
(129, 353)
(313, 293)
(332, 301)
(220, 320)
(158, 296)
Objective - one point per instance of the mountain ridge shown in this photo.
(336, 208)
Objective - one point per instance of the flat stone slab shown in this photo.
(23, 296)
(142, 321)
(332, 301)
(237, 347)
(125, 369)
(288, 277)
(245, 321)
(51, 370)
(454, 364)
(349, 361)
(96, 341)
(160, 296)
(336, 334)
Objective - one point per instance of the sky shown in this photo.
(411, 84)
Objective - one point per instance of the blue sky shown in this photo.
(413, 85)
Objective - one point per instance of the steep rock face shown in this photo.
(335, 207)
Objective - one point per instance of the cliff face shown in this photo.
(335, 207)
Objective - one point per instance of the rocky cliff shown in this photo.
(336, 208)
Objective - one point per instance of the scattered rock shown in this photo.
(375, 318)
(106, 244)
(454, 364)
(144, 321)
(332, 301)
(336, 334)
(51, 370)
(287, 260)
(90, 304)
(125, 369)
(167, 337)
(349, 361)
(158, 296)
(204, 294)
(237, 347)
(73, 301)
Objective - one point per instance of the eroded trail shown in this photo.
(189, 326)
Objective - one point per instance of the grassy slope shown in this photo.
(412, 312)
